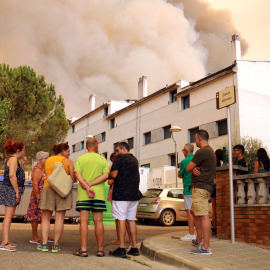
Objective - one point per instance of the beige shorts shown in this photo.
(200, 205)
(50, 200)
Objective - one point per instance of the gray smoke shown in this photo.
(103, 47)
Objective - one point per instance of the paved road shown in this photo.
(27, 257)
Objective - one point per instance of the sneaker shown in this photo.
(133, 252)
(195, 243)
(56, 248)
(42, 247)
(201, 251)
(188, 237)
(119, 252)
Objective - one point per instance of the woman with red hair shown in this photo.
(12, 188)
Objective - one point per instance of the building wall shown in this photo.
(254, 99)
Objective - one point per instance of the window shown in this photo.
(130, 142)
(192, 133)
(147, 165)
(112, 123)
(147, 138)
(222, 127)
(73, 129)
(166, 132)
(82, 145)
(106, 111)
(172, 160)
(172, 97)
(103, 137)
(175, 193)
(73, 148)
(185, 102)
(104, 155)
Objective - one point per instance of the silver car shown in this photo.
(165, 205)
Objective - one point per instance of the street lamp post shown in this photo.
(172, 130)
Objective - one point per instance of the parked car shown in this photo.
(165, 205)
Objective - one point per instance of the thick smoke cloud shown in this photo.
(103, 47)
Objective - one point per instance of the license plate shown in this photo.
(142, 204)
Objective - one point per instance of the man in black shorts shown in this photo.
(125, 197)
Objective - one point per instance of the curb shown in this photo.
(148, 250)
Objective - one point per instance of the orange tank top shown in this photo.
(49, 166)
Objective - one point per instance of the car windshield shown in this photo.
(152, 193)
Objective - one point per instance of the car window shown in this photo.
(152, 193)
(175, 193)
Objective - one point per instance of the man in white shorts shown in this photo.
(125, 197)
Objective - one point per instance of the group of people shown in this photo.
(198, 174)
(91, 172)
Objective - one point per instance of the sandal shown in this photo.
(80, 253)
(7, 247)
(100, 253)
(12, 244)
(115, 242)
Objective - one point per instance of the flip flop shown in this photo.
(35, 242)
(100, 253)
(50, 240)
(80, 253)
(115, 242)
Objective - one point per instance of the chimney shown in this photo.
(236, 48)
(92, 102)
(142, 87)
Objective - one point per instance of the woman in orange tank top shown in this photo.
(51, 201)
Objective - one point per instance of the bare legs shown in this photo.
(99, 229)
(190, 219)
(122, 232)
(9, 213)
(34, 231)
(58, 225)
(203, 226)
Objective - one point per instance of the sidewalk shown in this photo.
(168, 249)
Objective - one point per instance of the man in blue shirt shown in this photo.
(188, 153)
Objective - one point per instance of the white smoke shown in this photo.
(103, 47)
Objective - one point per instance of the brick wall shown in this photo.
(252, 223)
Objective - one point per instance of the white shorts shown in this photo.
(123, 210)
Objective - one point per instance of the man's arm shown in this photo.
(99, 179)
(84, 184)
(192, 167)
(113, 174)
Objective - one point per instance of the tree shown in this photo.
(251, 146)
(37, 116)
(5, 107)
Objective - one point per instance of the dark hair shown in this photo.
(112, 156)
(240, 147)
(263, 158)
(203, 134)
(58, 148)
(13, 147)
(123, 145)
(219, 156)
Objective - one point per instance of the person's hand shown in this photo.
(17, 198)
(24, 159)
(196, 171)
(91, 193)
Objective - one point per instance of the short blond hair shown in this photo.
(42, 155)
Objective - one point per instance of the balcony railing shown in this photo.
(253, 188)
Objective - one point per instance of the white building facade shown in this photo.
(145, 123)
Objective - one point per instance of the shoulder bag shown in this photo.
(59, 180)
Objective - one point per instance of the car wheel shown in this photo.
(167, 218)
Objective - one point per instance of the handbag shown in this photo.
(59, 180)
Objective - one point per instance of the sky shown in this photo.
(83, 47)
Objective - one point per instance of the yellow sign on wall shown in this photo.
(225, 97)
